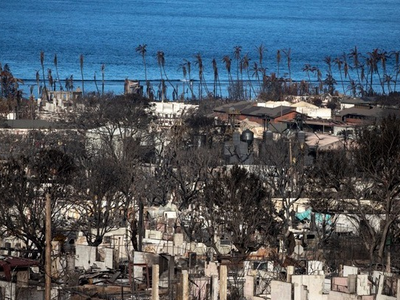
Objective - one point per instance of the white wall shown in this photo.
(341, 296)
(314, 285)
(281, 290)
(86, 257)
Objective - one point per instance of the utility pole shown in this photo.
(48, 249)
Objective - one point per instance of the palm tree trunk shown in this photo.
(58, 76)
(102, 79)
(83, 81)
(44, 78)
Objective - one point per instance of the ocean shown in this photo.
(108, 32)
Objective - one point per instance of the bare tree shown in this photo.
(24, 182)
(375, 156)
(282, 165)
(119, 142)
(236, 207)
(99, 200)
(365, 184)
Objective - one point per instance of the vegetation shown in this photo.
(114, 162)
(352, 73)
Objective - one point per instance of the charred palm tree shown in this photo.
(328, 61)
(57, 74)
(256, 73)
(329, 77)
(199, 63)
(217, 82)
(373, 59)
(95, 83)
(339, 64)
(246, 65)
(396, 67)
(260, 66)
(352, 88)
(236, 53)
(355, 55)
(39, 89)
(383, 56)
(184, 73)
(288, 54)
(188, 66)
(278, 61)
(83, 80)
(319, 80)
(141, 49)
(307, 69)
(161, 64)
(228, 63)
(51, 80)
(44, 79)
(346, 67)
(314, 70)
(370, 64)
(103, 67)
(364, 80)
(260, 50)
(330, 82)
(71, 82)
(388, 79)
(1, 81)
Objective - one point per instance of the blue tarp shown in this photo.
(319, 218)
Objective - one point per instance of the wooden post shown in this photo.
(48, 249)
(154, 285)
(171, 273)
(289, 273)
(214, 289)
(223, 282)
(185, 285)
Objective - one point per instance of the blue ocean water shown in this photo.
(108, 31)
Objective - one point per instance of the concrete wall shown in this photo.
(248, 288)
(7, 289)
(86, 257)
(341, 296)
(379, 295)
(349, 270)
(33, 294)
(281, 290)
(315, 267)
(363, 285)
(310, 285)
(13, 291)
